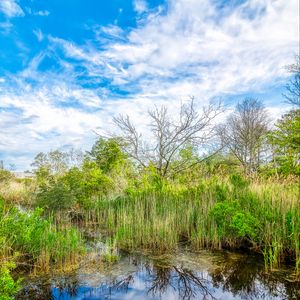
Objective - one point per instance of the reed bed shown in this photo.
(232, 215)
(214, 213)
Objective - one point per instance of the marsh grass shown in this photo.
(264, 218)
(214, 213)
(36, 242)
(109, 253)
(18, 191)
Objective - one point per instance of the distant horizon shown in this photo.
(68, 67)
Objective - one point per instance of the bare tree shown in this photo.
(58, 162)
(293, 87)
(244, 133)
(169, 136)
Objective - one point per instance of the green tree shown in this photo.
(95, 182)
(285, 141)
(107, 154)
(40, 161)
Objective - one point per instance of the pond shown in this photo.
(186, 275)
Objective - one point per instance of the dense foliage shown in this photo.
(9, 286)
(285, 140)
(29, 239)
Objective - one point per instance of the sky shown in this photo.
(67, 67)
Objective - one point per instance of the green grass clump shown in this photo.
(36, 240)
(110, 253)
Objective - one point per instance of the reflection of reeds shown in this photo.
(245, 276)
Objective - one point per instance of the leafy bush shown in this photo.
(9, 287)
(95, 182)
(234, 221)
(75, 188)
(55, 196)
(29, 234)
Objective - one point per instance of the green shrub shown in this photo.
(238, 181)
(29, 234)
(8, 286)
(233, 221)
(95, 182)
(55, 196)
(244, 225)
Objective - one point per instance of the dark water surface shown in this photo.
(203, 275)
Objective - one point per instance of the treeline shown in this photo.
(178, 144)
(245, 144)
(176, 151)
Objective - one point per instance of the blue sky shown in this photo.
(68, 66)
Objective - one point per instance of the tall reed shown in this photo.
(262, 218)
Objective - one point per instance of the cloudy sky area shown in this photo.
(67, 67)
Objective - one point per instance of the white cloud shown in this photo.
(140, 6)
(192, 48)
(42, 13)
(39, 35)
(11, 8)
(5, 27)
(194, 44)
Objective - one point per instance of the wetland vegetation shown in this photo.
(164, 199)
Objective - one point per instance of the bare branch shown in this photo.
(244, 132)
(169, 135)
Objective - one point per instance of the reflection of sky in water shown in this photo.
(187, 276)
(140, 288)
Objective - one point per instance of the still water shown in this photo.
(203, 275)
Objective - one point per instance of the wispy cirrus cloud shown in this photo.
(194, 45)
(39, 34)
(11, 8)
(42, 13)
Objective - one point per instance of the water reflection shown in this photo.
(137, 277)
(187, 283)
(246, 277)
